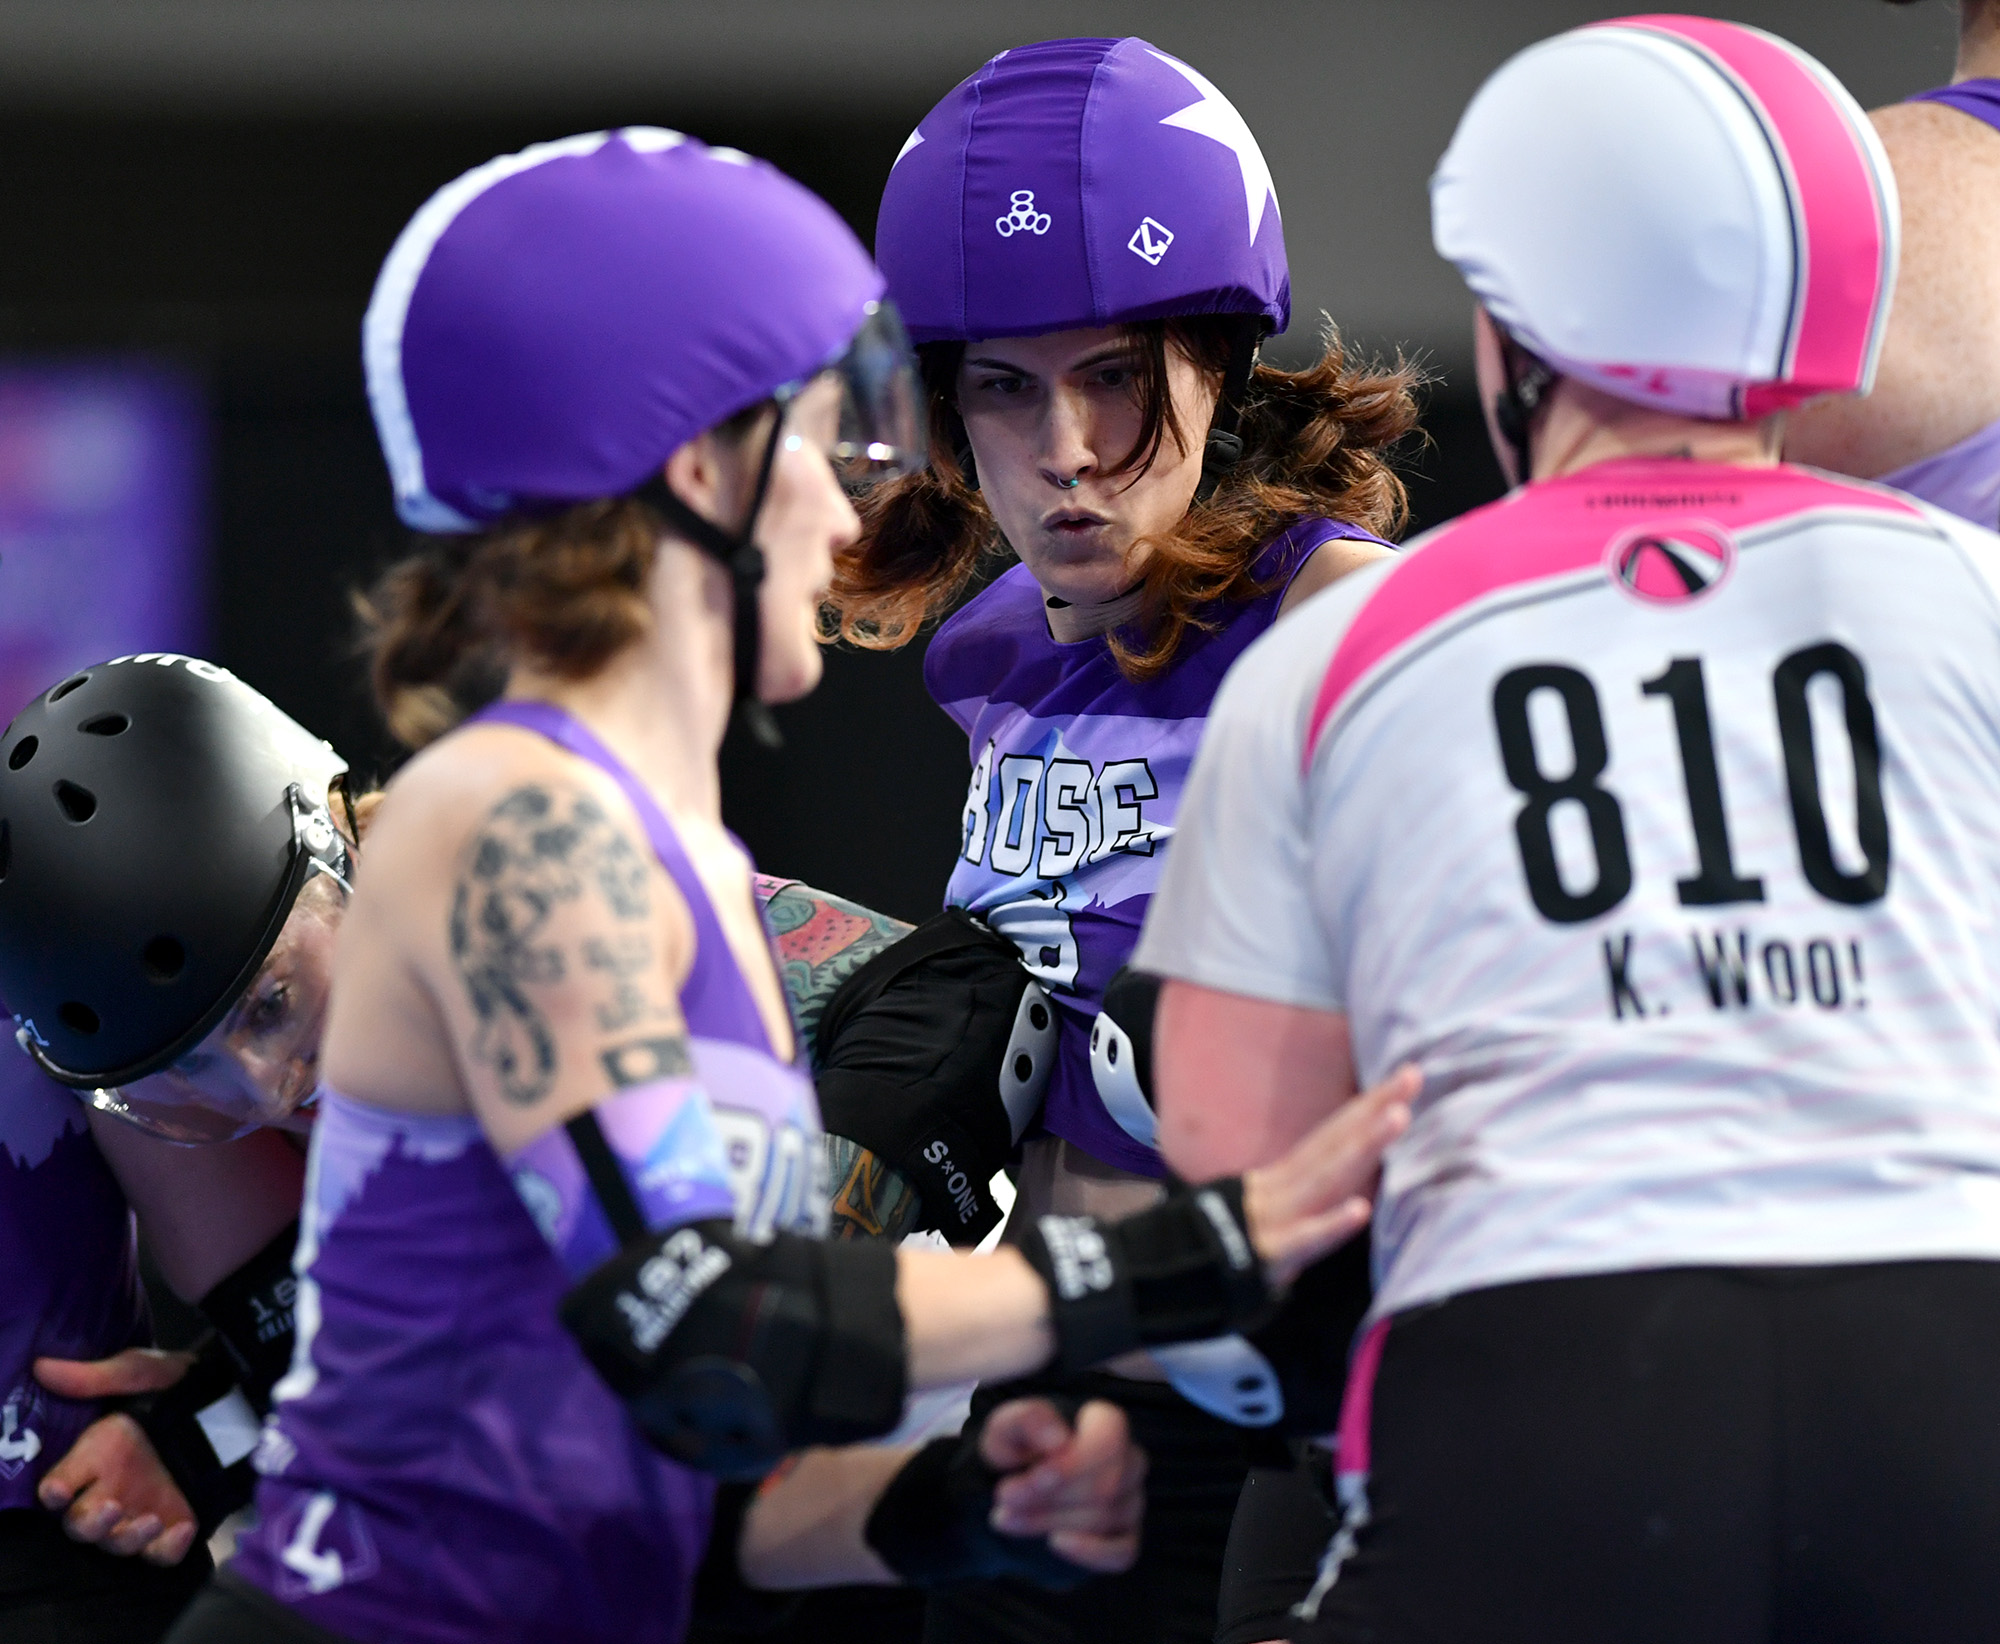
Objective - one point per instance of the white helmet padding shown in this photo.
(1685, 213)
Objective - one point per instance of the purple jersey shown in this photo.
(443, 1465)
(1076, 780)
(70, 1271)
(1964, 478)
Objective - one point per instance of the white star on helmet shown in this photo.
(1215, 117)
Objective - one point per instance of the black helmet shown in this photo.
(157, 820)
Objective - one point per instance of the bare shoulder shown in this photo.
(1326, 565)
(441, 796)
(1946, 167)
(1915, 131)
(514, 887)
(1939, 379)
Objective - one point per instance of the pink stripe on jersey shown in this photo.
(1557, 528)
(1357, 1404)
(1845, 267)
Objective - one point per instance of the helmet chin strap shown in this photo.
(1224, 447)
(1525, 383)
(740, 556)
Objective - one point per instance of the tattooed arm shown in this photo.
(490, 961)
(822, 940)
(567, 947)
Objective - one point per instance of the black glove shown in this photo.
(932, 1525)
(933, 1056)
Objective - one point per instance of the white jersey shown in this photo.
(1655, 814)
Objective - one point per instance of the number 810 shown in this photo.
(1716, 880)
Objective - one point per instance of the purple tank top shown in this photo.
(1978, 98)
(1965, 478)
(67, 1264)
(1076, 780)
(443, 1466)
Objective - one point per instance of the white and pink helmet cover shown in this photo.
(1689, 214)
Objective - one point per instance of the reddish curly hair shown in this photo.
(1315, 442)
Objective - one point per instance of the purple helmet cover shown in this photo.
(552, 325)
(1080, 183)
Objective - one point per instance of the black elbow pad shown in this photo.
(934, 1056)
(729, 1353)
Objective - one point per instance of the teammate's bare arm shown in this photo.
(821, 940)
(1283, 1067)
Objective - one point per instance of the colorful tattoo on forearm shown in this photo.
(821, 940)
(870, 1200)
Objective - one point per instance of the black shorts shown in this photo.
(1194, 1474)
(1283, 1521)
(1693, 1456)
(57, 1591)
(234, 1612)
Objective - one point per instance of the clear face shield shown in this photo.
(259, 1066)
(878, 431)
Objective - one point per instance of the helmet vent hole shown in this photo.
(77, 1016)
(164, 958)
(24, 750)
(105, 725)
(67, 686)
(78, 804)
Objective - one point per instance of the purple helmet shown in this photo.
(552, 325)
(1080, 183)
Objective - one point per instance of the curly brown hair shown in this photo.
(442, 627)
(563, 592)
(1315, 442)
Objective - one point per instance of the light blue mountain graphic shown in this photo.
(685, 1173)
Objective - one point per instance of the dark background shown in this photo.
(217, 181)
(246, 248)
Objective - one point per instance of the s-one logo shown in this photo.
(1022, 217)
(1671, 564)
(962, 1190)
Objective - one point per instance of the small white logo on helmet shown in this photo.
(1150, 240)
(1022, 217)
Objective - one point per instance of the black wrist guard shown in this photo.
(933, 1056)
(251, 1311)
(729, 1354)
(1181, 1271)
(203, 1429)
(932, 1526)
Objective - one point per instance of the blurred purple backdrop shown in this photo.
(103, 468)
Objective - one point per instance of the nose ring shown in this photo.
(1069, 484)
